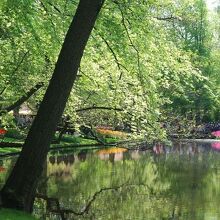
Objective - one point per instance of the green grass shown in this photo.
(8, 150)
(16, 134)
(10, 214)
(66, 140)
(10, 139)
(111, 139)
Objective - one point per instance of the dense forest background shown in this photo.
(148, 65)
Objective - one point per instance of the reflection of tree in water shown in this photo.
(67, 159)
(187, 169)
(82, 155)
(60, 166)
(94, 175)
(175, 184)
(52, 159)
(112, 157)
(112, 154)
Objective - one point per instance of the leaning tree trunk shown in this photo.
(20, 187)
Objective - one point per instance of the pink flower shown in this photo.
(216, 133)
(216, 145)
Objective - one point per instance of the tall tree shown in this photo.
(20, 187)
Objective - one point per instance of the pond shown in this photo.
(181, 181)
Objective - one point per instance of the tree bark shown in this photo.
(20, 187)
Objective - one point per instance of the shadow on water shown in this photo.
(171, 182)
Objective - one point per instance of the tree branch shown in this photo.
(170, 18)
(90, 78)
(22, 99)
(55, 8)
(87, 207)
(119, 65)
(51, 20)
(129, 38)
(60, 211)
(21, 61)
(2, 91)
(98, 107)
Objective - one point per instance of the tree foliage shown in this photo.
(154, 60)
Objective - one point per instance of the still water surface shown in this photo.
(177, 182)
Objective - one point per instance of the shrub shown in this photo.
(15, 133)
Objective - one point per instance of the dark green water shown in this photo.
(178, 182)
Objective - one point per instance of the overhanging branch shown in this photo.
(99, 108)
(119, 65)
(22, 99)
(170, 18)
(129, 38)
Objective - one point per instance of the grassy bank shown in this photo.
(10, 214)
(12, 144)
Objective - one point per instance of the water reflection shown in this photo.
(216, 145)
(177, 182)
(112, 154)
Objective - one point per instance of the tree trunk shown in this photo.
(20, 187)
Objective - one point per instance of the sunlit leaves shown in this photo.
(140, 58)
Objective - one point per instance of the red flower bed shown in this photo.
(2, 132)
